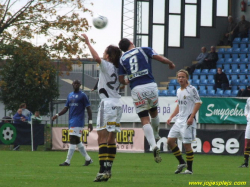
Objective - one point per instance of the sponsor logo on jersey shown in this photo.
(139, 103)
(138, 74)
(73, 104)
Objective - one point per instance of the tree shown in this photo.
(29, 77)
(42, 17)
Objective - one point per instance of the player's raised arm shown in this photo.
(92, 50)
(164, 60)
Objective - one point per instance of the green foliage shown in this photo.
(27, 77)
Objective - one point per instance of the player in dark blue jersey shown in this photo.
(135, 63)
(76, 102)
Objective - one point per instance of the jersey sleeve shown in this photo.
(149, 51)
(247, 107)
(195, 95)
(121, 70)
(103, 65)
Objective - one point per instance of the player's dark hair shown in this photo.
(124, 44)
(22, 105)
(114, 54)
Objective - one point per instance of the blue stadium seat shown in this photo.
(219, 93)
(196, 72)
(236, 60)
(228, 77)
(248, 68)
(243, 46)
(212, 72)
(227, 56)
(234, 77)
(221, 61)
(245, 40)
(221, 51)
(220, 56)
(244, 71)
(242, 77)
(173, 82)
(235, 71)
(227, 71)
(164, 92)
(205, 71)
(244, 82)
(202, 77)
(244, 61)
(226, 67)
(195, 77)
(236, 40)
(236, 51)
(243, 67)
(210, 87)
(211, 82)
(171, 87)
(235, 82)
(196, 82)
(228, 51)
(171, 93)
(177, 87)
(190, 81)
(234, 88)
(228, 61)
(234, 66)
(244, 51)
(227, 93)
(234, 93)
(202, 87)
(203, 82)
(235, 46)
(218, 65)
(242, 57)
(210, 77)
(203, 92)
(211, 93)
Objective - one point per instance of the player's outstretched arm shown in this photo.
(89, 111)
(176, 111)
(164, 60)
(64, 110)
(92, 50)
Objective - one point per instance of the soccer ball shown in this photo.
(100, 22)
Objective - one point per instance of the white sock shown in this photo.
(70, 152)
(148, 132)
(155, 122)
(82, 150)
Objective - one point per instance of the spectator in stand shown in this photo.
(6, 119)
(25, 111)
(221, 80)
(18, 119)
(244, 92)
(210, 61)
(229, 36)
(36, 118)
(200, 58)
(242, 28)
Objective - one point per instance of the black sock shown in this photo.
(246, 155)
(111, 155)
(177, 153)
(102, 156)
(190, 158)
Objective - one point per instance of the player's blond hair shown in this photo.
(183, 71)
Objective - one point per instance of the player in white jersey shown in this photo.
(135, 63)
(247, 135)
(185, 125)
(110, 108)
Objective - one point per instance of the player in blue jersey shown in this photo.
(76, 103)
(135, 63)
(110, 108)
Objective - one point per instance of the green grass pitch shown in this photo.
(41, 169)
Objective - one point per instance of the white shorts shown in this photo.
(76, 131)
(145, 97)
(109, 115)
(247, 133)
(183, 132)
